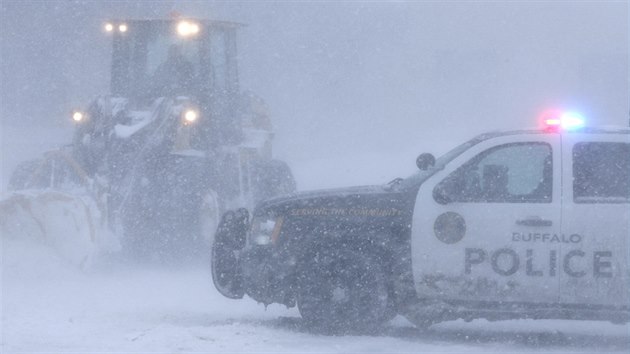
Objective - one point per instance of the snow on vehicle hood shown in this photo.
(377, 200)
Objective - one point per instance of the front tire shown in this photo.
(342, 291)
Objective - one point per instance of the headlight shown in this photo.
(78, 116)
(186, 28)
(190, 116)
(265, 230)
(109, 27)
(123, 28)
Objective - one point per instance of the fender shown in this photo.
(227, 273)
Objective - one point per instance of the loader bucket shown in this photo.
(54, 201)
(68, 224)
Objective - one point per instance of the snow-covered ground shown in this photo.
(51, 305)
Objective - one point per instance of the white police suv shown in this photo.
(522, 224)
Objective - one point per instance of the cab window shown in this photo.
(601, 172)
(511, 173)
(219, 62)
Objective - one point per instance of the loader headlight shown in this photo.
(265, 230)
(78, 116)
(190, 116)
(187, 28)
(113, 27)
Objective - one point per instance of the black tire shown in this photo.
(342, 291)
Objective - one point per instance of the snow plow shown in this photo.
(160, 158)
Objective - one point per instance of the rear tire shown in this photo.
(341, 291)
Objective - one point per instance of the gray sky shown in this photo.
(342, 77)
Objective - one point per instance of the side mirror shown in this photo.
(425, 161)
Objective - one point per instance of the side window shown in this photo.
(218, 53)
(601, 172)
(511, 173)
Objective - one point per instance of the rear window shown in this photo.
(601, 172)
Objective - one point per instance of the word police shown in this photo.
(506, 262)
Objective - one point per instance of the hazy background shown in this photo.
(357, 90)
(349, 78)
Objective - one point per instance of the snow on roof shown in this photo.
(140, 120)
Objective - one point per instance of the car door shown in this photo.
(487, 226)
(596, 219)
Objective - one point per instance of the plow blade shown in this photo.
(72, 225)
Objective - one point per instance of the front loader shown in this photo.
(174, 144)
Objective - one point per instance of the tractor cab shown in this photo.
(178, 58)
(154, 58)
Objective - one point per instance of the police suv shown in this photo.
(522, 224)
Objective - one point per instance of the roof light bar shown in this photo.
(562, 120)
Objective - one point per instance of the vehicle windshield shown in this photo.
(152, 59)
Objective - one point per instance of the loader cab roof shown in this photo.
(172, 57)
(205, 22)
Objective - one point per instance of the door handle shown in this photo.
(534, 221)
